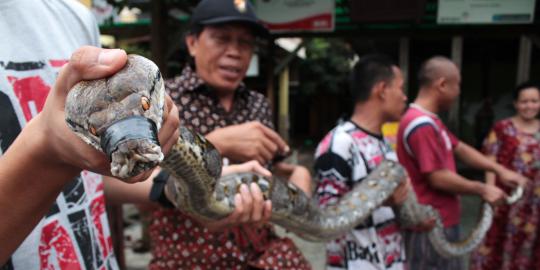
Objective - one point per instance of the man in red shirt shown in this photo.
(426, 148)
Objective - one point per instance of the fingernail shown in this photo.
(287, 149)
(254, 187)
(107, 56)
(237, 199)
(244, 188)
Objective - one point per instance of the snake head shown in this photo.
(121, 115)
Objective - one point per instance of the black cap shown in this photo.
(209, 12)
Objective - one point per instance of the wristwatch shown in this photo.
(157, 193)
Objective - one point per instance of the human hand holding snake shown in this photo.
(121, 115)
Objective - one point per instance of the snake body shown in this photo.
(121, 115)
(410, 213)
(208, 196)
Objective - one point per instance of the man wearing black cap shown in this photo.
(212, 100)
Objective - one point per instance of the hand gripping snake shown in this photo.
(122, 114)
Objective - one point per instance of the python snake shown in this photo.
(122, 114)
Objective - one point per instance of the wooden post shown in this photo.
(284, 104)
(524, 59)
(457, 56)
(270, 76)
(404, 62)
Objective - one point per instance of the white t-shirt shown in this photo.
(38, 37)
(344, 157)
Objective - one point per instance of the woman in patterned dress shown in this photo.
(513, 242)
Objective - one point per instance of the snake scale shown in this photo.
(122, 114)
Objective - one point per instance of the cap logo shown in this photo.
(240, 5)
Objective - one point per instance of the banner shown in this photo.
(296, 15)
(485, 11)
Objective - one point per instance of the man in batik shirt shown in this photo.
(213, 101)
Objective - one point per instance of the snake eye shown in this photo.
(93, 130)
(145, 103)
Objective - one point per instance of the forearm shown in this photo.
(219, 141)
(118, 192)
(475, 159)
(451, 182)
(30, 180)
(297, 174)
(490, 178)
(301, 177)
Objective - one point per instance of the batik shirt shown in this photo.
(200, 109)
(344, 157)
(181, 242)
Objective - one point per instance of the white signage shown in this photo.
(296, 15)
(485, 11)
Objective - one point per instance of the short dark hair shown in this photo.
(429, 70)
(368, 71)
(523, 86)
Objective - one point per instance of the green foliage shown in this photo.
(136, 49)
(118, 3)
(145, 4)
(326, 67)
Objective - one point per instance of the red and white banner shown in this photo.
(296, 15)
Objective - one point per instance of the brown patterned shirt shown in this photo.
(201, 111)
(180, 242)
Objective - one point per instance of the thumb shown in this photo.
(257, 168)
(88, 63)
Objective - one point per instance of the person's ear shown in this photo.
(191, 43)
(379, 90)
(440, 84)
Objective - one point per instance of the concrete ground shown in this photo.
(314, 252)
